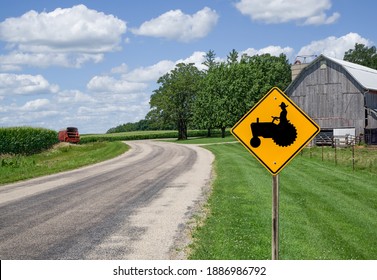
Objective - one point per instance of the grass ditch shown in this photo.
(61, 157)
(326, 211)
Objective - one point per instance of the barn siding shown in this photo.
(371, 102)
(328, 94)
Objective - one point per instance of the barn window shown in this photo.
(323, 64)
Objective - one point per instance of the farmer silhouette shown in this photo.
(283, 113)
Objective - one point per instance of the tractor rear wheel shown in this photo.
(285, 135)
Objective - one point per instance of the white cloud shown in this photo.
(66, 37)
(25, 84)
(108, 84)
(322, 19)
(334, 46)
(34, 105)
(74, 97)
(176, 25)
(197, 58)
(276, 11)
(273, 50)
(15, 60)
(155, 71)
(150, 73)
(120, 69)
(37, 113)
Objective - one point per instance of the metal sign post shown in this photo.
(275, 217)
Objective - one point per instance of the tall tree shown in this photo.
(173, 100)
(210, 57)
(362, 55)
(203, 109)
(206, 113)
(232, 57)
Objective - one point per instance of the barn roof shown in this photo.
(365, 76)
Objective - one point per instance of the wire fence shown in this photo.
(344, 150)
(338, 141)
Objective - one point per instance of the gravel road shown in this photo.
(131, 207)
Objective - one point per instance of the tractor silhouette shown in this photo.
(283, 134)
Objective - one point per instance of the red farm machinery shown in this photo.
(70, 134)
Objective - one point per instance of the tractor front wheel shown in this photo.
(255, 142)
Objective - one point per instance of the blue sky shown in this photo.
(94, 64)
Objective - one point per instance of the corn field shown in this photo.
(26, 140)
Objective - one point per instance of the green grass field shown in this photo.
(60, 158)
(326, 211)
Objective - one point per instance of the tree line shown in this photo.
(217, 97)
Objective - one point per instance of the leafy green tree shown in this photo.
(203, 107)
(206, 111)
(158, 122)
(173, 100)
(263, 72)
(362, 55)
(230, 89)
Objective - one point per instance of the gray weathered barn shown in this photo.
(338, 95)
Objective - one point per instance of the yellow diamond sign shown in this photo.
(275, 130)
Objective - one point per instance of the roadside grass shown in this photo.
(61, 157)
(326, 211)
(356, 158)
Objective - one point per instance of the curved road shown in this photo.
(130, 207)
